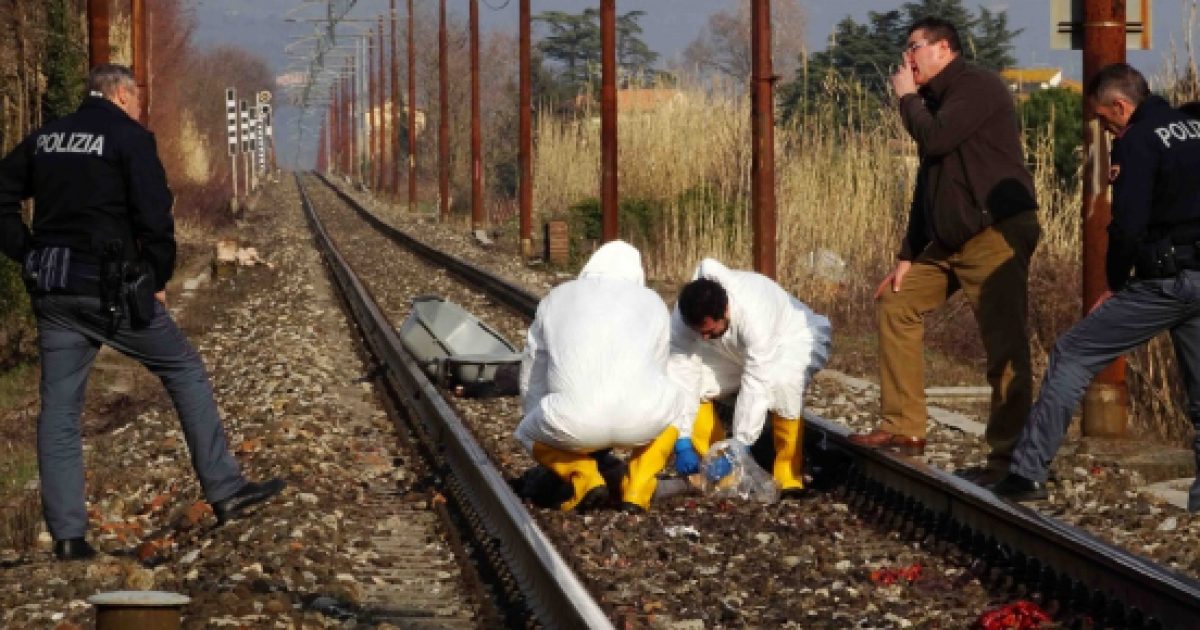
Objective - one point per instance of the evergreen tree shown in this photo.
(66, 60)
(573, 42)
(634, 57)
(1057, 112)
(867, 53)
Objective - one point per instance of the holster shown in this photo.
(126, 288)
(1163, 258)
(137, 291)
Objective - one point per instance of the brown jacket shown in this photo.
(972, 171)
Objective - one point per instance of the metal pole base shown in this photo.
(1105, 411)
(151, 610)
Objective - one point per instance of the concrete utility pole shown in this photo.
(525, 146)
(1106, 403)
(443, 119)
(412, 113)
(608, 120)
(98, 47)
(478, 220)
(762, 125)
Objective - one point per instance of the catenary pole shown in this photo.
(98, 46)
(478, 221)
(762, 125)
(140, 38)
(1106, 403)
(608, 120)
(412, 112)
(525, 125)
(372, 127)
(380, 138)
(443, 118)
(394, 112)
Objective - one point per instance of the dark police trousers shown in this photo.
(71, 330)
(1130, 317)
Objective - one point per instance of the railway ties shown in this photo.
(945, 513)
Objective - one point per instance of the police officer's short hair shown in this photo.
(702, 298)
(936, 30)
(105, 78)
(1118, 79)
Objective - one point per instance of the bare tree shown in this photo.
(723, 46)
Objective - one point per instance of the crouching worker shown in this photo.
(594, 377)
(739, 333)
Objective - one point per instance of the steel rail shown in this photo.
(554, 593)
(1064, 562)
(519, 300)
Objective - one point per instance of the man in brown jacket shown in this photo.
(972, 226)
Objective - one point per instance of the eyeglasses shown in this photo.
(913, 47)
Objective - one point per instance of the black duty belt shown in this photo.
(1163, 259)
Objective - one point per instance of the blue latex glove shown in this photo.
(718, 469)
(721, 466)
(687, 460)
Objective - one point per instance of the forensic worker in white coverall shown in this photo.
(739, 333)
(594, 377)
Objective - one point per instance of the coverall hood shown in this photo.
(616, 259)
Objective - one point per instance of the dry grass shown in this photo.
(842, 188)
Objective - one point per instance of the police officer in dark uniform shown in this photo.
(1155, 233)
(97, 259)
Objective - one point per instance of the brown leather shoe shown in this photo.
(878, 438)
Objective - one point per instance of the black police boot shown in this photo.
(632, 508)
(73, 549)
(595, 499)
(1017, 488)
(251, 493)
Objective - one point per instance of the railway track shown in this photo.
(1007, 551)
(550, 588)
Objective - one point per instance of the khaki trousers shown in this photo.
(992, 269)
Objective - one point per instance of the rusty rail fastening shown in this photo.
(552, 591)
(1061, 564)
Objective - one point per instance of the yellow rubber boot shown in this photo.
(577, 469)
(789, 454)
(644, 465)
(706, 428)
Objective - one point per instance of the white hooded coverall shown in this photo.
(594, 371)
(771, 349)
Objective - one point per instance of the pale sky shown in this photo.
(669, 25)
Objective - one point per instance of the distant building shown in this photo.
(1023, 81)
(636, 100)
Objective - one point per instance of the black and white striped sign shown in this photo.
(231, 120)
(253, 130)
(244, 125)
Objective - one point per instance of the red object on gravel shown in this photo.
(1019, 615)
(888, 576)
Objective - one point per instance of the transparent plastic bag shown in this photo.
(730, 471)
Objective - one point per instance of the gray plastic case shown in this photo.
(455, 348)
